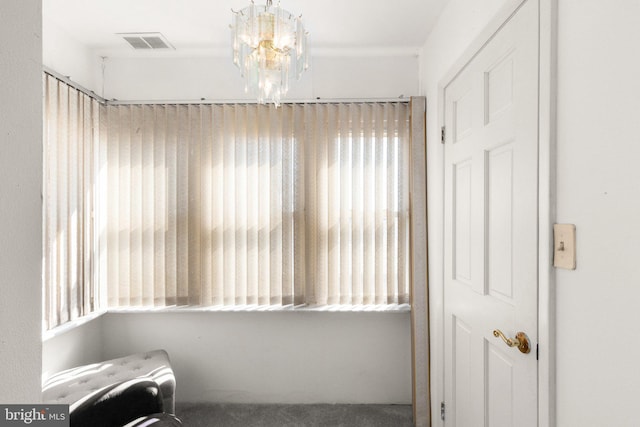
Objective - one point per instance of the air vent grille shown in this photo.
(141, 41)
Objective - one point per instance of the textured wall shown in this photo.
(79, 346)
(69, 57)
(216, 78)
(599, 191)
(274, 357)
(20, 201)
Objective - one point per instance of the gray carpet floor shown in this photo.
(237, 415)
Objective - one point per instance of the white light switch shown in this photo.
(564, 246)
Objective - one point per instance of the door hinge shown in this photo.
(537, 353)
(442, 134)
(442, 410)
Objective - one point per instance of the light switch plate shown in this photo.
(564, 246)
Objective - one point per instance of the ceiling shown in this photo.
(333, 25)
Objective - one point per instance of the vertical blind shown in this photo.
(236, 205)
(70, 138)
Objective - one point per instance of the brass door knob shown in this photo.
(521, 340)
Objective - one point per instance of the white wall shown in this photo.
(20, 201)
(256, 357)
(599, 191)
(70, 58)
(79, 346)
(459, 24)
(216, 78)
(274, 357)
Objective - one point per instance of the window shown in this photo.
(223, 205)
(238, 205)
(70, 137)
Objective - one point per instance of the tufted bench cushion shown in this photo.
(68, 387)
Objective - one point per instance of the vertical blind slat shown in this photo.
(311, 214)
(206, 235)
(229, 224)
(63, 240)
(253, 214)
(182, 206)
(263, 199)
(403, 209)
(299, 199)
(86, 183)
(50, 197)
(148, 215)
(171, 182)
(331, 198)
(323, 226)
(275, 205)
(158, 118)
(380, 205)
(345, 145)
(391, 208)
(194, 165)
(113, 198)
(357, 206)
(217, 213)
(75, 223)
(369, 208)
(287, 209)
(135, 197)
(241, 197)
(125, 231)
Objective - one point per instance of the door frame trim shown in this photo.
(419, 261)
(547, 124)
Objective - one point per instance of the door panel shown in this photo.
(461, 373)
(500, 222)
(498, 89)
(462, 212)
(491, 229)
(500, 383)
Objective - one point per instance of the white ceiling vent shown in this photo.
(146, 40)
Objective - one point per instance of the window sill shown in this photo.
(389, 308)
(68, 326)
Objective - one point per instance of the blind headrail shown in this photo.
(205, 101)
(69, 82)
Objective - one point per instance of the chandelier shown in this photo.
(269, 44)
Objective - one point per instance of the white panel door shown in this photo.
(491, 252)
